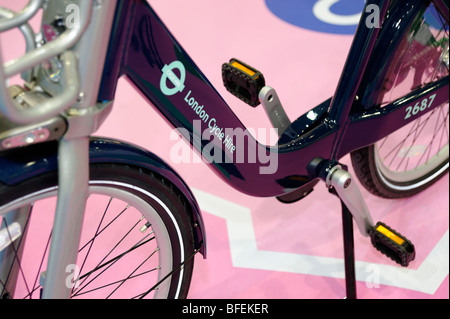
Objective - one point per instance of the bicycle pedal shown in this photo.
(243, 81)
(392, 244)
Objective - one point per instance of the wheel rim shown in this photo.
(419, 152)
(118, 258)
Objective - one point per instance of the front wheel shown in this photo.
(136, 232)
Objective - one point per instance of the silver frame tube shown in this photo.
(73, 179)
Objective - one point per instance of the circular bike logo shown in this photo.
(177, 81)
(330, 16)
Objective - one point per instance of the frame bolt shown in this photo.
(347, 183)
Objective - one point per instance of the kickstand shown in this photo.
(340, 183)
(385, 239)
(349, 252)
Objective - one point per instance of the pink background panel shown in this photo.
(258, 247)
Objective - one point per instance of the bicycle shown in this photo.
(71, 77)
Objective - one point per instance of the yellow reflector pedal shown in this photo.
(243, 81)
(392, 244)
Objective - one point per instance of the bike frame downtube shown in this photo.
(147, 48)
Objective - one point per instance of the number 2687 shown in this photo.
(419, 106)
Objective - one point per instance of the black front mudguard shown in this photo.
(19, 165)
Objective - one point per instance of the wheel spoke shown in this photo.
(118, 281)
(109, 263)
(91, 242)
(38, 273)
(15, 249)
(131, 274)
(99, 232)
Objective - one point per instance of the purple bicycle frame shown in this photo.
(142, 49)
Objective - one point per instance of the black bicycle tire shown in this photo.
(363, 163)
(142, 179)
